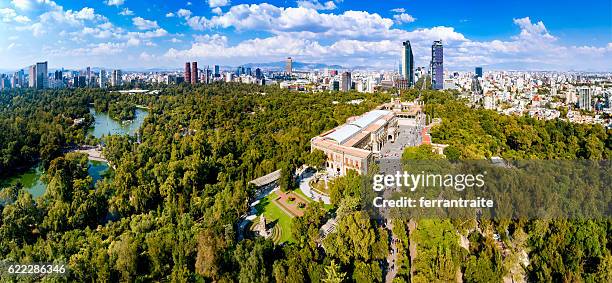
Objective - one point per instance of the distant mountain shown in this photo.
(296, 65)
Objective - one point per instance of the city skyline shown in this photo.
(129, 34)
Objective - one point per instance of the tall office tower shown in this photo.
(258, 73)
(437, 65)
(21, 79)
(346, 81)
(103, 78)
(188, 72)
(42, 79)
(208, 75)
(88, 76)
(248, 71)
(194, 73)
(585, 94)
(15, 81)
(217, 74)
(116, 79)
(478, 72)
(5, 83)
(289, 66)
(32, 76)
(408, 63)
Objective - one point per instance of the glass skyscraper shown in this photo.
(407, 63)
(479, 72)
(437, 65)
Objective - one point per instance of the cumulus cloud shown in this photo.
(218, 3)
(8, 15)
(398, 10)
(126, 12)
(183, 13)
(169, 15)
(217, 11)
(403, 18)
(143, 24)
(35, 5)
(315, 4)
(114, 2)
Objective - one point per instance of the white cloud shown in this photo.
(146, 56)
(114, 2)
(278, 20)
(84, 14)
(403, 18)
(398, 10)
(8, 15)
(217, 10)
(143, 24)
(169, 15)
(218, 3)
(315, 4)
(183, 13)
(126, 12)
(35, 5)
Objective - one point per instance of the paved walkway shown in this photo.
(304, 180)
(392, 257)
(93, 153)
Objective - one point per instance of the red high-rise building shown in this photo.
(187, 73)
(194, 73)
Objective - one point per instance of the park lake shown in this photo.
(104, 125)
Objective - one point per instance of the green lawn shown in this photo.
(327, 207)
(273, 213)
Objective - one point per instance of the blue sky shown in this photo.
(510, 35)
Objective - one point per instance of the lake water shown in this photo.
(31, 179)
(103, 126)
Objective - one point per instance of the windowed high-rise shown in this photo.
(585, 98)
(346, 81)
(103, 78)
(32, 76)
(289, 66)
(217, 74)
(478, 72)
(188, 72)
(116, 78)
(437, 65)
(42, 79)
(194, 73)
(407, 63)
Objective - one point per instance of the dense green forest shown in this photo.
(170, 209)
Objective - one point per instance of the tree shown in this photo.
(334, 275)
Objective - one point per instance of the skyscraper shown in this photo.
(194, 73)
(258, 74)
(32, 76)
(42, 79)
(346, 81)
(478, 72)
(289, 66)
(217, 74)
(187, 73)
(437, 65)
(88, 76)
(116, 78)
(408, 63)
(103, 78)
(585, 98)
